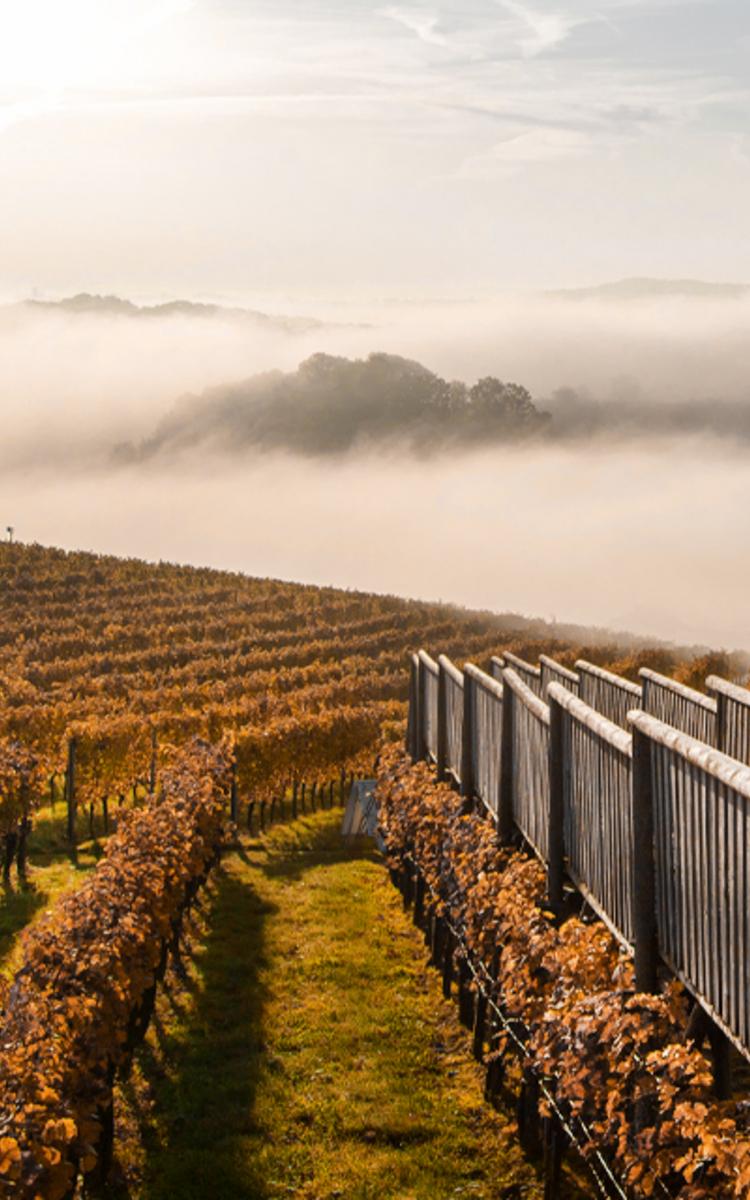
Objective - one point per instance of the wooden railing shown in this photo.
(679, 706)
(481, 776)
(699, 800)
(429, 677)
(593, 770)
(648, 822)
(608, 694)
(554, 672)
(451, 716)
(527, 764)
(732, 717)
(531, 676)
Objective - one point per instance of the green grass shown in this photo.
(54, 867)
(306, 1049)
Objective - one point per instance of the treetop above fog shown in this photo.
(330, 404)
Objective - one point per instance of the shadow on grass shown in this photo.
(312, 841)
(19, 904)
(197, 1140)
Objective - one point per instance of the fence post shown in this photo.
(643, 867)
(555, 864)
(467, 739)
(442, 724)
(70, 788)
(412, 728)
(421, 711)
(721, 722)
(505, 798)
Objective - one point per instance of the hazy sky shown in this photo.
(349, 147)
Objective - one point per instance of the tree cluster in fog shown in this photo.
(579, 415)
(84, 304)
(331, 404)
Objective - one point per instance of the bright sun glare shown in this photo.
(50, 46)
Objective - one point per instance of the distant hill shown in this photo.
(650, 289)
(113, 306)
(330, 404)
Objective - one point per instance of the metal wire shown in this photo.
(585, 1151)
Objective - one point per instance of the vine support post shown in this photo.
(442, 724)
(233, 797)
(152, 763)
(467, 740)
(644, 869)
(70, 788)
(721, 1058)
(505, 797)
(555, 836)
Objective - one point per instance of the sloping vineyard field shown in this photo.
(147, 712)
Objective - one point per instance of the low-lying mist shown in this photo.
(73, 384)
(625, 538)
(629, 510)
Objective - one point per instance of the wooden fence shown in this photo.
(732, 717)
(531, 676)
(679, 706)
(649, 822)
(608, 694)
(553, 672)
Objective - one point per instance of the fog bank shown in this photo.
(641, 532)
(74, 384)
(626, 538)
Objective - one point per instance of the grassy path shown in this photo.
(307, 1051)
(53, 868)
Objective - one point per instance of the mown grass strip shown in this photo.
(307, 1051)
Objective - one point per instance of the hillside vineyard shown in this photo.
(148, 704)
(156, 709)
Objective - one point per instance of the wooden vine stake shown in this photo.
(70, 789)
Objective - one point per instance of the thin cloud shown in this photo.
(527, 148)
(544, 30)
(424, 25)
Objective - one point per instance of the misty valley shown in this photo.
(299, 449)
